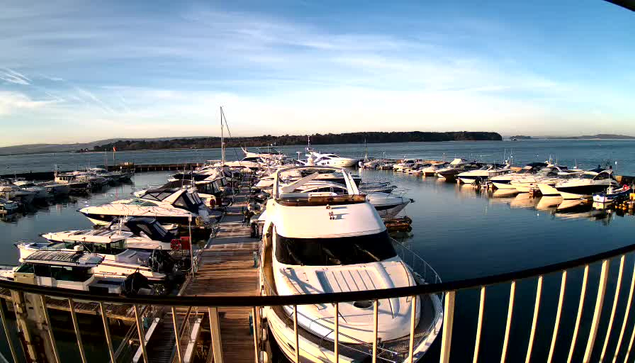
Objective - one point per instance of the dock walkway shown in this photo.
(228, 265)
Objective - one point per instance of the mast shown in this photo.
(222, 137)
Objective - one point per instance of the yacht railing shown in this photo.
(604, 336)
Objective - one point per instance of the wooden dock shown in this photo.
(228, 265)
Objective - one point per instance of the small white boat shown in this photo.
(612, 194)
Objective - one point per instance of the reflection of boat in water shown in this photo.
(523, 200)
(574, 205)
(593, 214)
(548, 203)
(504, 193)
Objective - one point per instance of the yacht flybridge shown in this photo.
(180, 206)
(323, 242)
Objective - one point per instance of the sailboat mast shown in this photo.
(222, 138)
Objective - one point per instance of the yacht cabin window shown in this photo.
(334, 251)
(64, 273)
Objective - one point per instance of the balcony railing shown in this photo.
(595, 342)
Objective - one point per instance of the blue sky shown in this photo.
(73, 71)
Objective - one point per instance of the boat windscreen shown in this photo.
(334, 251)
(189, 202)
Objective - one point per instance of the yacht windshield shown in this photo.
(334, 251)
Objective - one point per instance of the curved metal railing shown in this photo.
(448, 289)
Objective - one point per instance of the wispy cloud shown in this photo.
(11, 76)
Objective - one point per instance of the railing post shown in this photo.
(49, 328)
(214, 326)
(337, 333)
(7, 333)
(618, 287)
(599, 302)
(256, 328)
(556, 326)
(534, 321)
(104, 320)
(508, 324)
(142, 339)
(80, 346)
(585, 278)
(375, 329)
(296, 334)
(626, 313)
(479, 325)
(177, 338)
(448, 322)
(413, 326)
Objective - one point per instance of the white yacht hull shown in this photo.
(548, 190)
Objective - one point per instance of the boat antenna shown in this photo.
(222, 138)
(229, 132)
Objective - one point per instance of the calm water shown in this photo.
(587, 153)
(462, 233)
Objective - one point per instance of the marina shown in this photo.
(229, 262)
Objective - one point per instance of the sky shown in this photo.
(77, 71)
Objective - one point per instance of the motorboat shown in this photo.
(483, 174)
(334, 160)
(387, 205)
(7, 206)
(612, 194)
(377, 186)
(13, 192)
(267, 153)
(589, 183)
(118, 262)
(56, 190)
(78, 183)
(530, 169)
(41, 193)
(456, 167)
(75, 270)
(404, 164)
(180, 206)
(314, 244)
(432, 169)
(139, 233)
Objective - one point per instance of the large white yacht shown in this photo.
(587, 184)
(330, 159)
(169, 206)
(323, 243)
